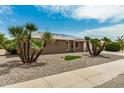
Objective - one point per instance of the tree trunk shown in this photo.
(19, 50)
(32, 56)
(22, 59)
(39, 53)
(24, 46)
(88, 47)
(100, 50)
(28, 46)
(93, 49)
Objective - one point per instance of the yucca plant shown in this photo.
(95, 46)
(120, 40)
(46, 38)
(26, 46)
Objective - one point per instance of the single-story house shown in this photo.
(63, 43)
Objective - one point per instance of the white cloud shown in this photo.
(100, 13)
(65, 10)
(5, 9)
(111, 32)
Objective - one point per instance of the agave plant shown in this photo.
(95, 46)
(26, 45)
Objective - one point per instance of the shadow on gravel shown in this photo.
(10, 56)
(6, 67)
(27, 66)
(4, 71)
(99, 56)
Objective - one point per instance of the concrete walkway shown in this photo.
(81, 78)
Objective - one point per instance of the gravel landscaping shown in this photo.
(117, 82)
(12, 71)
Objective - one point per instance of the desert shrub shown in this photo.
(3, 39)
(113, 46)
(11, 46)
(70, 57)
(12, 50)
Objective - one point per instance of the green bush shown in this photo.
(11, 46)
(3, 39)
(70, 57)
(12, 51)
(113, 46)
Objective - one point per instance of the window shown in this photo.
(76, 44)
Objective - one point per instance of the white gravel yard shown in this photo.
(12, 71)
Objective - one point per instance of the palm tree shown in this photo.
(25, 43)
(96, 45)
(20, 35)
(46, 38)
(120, 40)
(30, 28)
(88, 45)
(106, 41)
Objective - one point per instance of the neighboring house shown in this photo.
(63, 43)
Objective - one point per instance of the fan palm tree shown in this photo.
(96, 45)
(25, 43)
(30, 28)
(46, 38)
(20, 35)
(106, 41)
(120, 40)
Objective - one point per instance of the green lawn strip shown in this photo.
(70, 57)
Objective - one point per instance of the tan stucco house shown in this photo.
(63, 44)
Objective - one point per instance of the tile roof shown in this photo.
(58, 36)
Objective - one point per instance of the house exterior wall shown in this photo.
(58, 46)
(62, 46)
(80, 47)
(85, 46)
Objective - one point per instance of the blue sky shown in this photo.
(94, 21)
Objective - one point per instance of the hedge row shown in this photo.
(113, 46)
